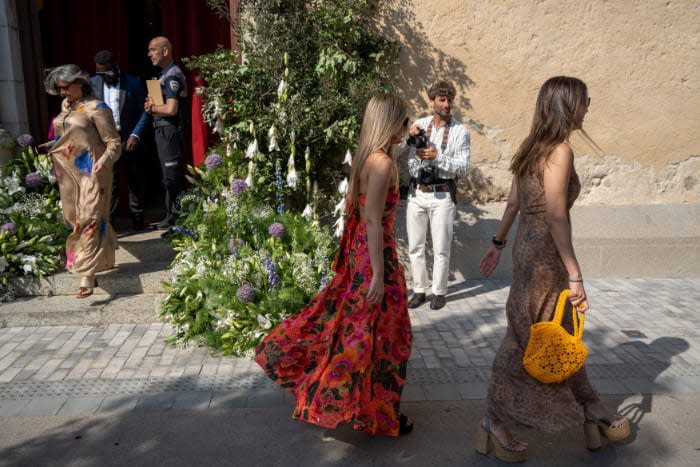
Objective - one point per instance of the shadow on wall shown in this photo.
(421, 65)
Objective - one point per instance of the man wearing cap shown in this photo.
(439, 153)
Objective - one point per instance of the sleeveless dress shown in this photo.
(514, 397)
(84, 135)
(343, 358)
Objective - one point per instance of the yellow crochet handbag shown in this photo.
(552, 354)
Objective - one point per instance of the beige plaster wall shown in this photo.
(639, 58)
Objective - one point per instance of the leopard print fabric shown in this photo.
(515, 397)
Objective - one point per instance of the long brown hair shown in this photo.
(384, 117)
(561, 105)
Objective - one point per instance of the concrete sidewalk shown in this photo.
(119, 383)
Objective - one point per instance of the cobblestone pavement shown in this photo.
(643, 336)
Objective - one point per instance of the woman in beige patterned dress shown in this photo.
(85, 147)
(543, 190)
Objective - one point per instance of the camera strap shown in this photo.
(445, 135)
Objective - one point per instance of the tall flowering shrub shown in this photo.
(32, 231)
(241, 265)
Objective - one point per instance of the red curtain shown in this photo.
(74, 30)
(194, 29)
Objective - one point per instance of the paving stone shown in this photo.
(155, 402)
(228, 400)
(412, 392)
(441, 392)
(11, 407)
(43, 406)
(118, 404)
(195, 400)
(81, 405)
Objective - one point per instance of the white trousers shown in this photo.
(438, 210)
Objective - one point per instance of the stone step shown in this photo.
(64, 310)
(142, 265)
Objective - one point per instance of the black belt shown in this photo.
(439, 187)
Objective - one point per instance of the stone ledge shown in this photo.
(636, 241)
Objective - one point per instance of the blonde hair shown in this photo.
(384, 117)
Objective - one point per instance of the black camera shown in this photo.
(427, 175)
(420, 141)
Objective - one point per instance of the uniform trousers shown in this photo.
(171, 156)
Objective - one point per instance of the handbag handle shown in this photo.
(578, 319)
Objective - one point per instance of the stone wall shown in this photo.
(639, 58)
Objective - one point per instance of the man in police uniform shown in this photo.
(439, 153)
(168, 119)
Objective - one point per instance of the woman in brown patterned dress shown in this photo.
(84, 149)
(543, 190)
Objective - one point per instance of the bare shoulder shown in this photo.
(379, 162)
(561, 155)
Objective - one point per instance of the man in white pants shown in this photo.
(439, 153)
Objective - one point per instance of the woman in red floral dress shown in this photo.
(344, 355)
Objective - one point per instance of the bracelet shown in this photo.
(498, 244)
(576, 280)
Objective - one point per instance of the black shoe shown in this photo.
(138, 225)
(416, 300)
(165, 224)
(437, 302)
(405, 425)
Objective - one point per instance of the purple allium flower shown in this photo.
(9, 227)
(238, 186)
(273, 278)
(184, 231)
(276, 230)
(33, 179)
(213, 161)
(25, 140)
(245, 292)
(234, 244)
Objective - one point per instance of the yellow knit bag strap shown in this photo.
(578, 319)
(561, 304)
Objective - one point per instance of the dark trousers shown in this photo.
(133, 162)
(169, 143)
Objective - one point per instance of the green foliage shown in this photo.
(226, 243)
(332, 59)
(32, 232)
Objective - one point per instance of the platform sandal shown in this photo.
(594, 429)
(486, 442)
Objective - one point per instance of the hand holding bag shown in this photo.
(552, 354)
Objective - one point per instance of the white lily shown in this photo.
(282, 88)
(293, 137)
(348, 158)
(264, 322)
(339, 226)
(307, 213)
(343, 187)
(340, 207)
(249, 178)
(292, 176)
(252, 150)
(272, 134)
